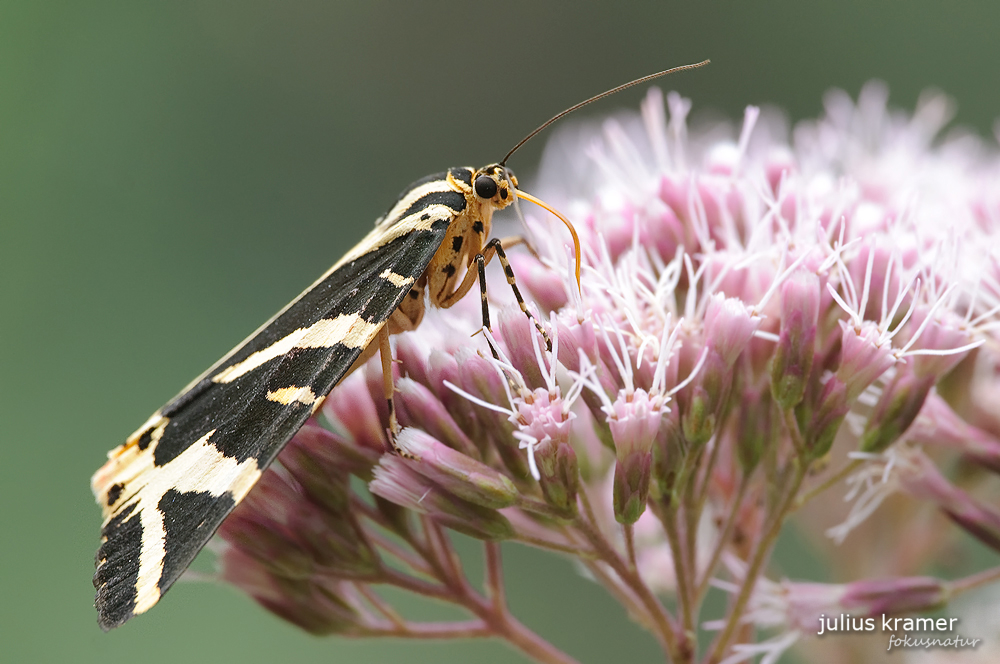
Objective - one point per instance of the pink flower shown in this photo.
(754, 307)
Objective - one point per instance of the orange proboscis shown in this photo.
(569, 225)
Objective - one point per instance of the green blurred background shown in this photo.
(173, 173)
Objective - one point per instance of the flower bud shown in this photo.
(397, 482)
(444, 367)
(516, 331)
(937, 424)
(863, 357)
(419, 407)
(351, 407)
(820, 420)
(921, 478)
(545, 429)
(559, 476)
(942, 333)
(793, 356)
(456, 472)
(729, 327)
(895, 596)
(268, 543)
(703, 401)
(757, 428)
(317, 605)
(320, 461)
(669, 451)
(544, 286)
(412, 354)
(634, 421)
(480, 378)
(895, 411)
(875, 277)
(282, 526)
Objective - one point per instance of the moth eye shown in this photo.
(486, 187)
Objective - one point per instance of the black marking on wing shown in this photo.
(118, 569)
(197, 515)
(451, 199)
(462, 175)
(247, 424)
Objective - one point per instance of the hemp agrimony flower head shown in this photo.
(761, 322)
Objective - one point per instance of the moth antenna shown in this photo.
(604, 94)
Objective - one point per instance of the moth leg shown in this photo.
(494, 247)
(512, 241)
(385, 354)
(481, 269)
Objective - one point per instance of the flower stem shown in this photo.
(760, 556)
(720, 545)
(665, 628)
(668, 518)
(469, 629)
(848, 468)
(973, 581)
(494, 575)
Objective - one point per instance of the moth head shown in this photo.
(490, 183)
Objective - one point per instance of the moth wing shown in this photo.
(166, 490)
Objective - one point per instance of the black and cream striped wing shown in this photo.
(167, 489)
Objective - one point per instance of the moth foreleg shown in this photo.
(385, 355)
(496, 245)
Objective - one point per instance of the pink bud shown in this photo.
(941, 333)
(793, 357)
(351, 405)
(937, 424)
(419, 407)
(539, 280)
(895, 596)
(397, 482)
(634, 422)
(729, 326)
(877, 278)
(318, 605)
(863, 357)
(897, 407)
(920, 477)
(456, 472)
(516, 331)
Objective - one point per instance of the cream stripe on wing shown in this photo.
(346, 329)
(289, 395)
(396, 280)
(200, 468)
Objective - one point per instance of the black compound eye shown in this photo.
(486, 187)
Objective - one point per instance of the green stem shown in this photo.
(757, 560)
(723, 541)
(681, 573)
(848, 468)
(664, 628)
(971, 582)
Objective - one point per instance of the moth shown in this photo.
(169, 486)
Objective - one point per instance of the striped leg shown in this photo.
(385, 355)
(496, 245)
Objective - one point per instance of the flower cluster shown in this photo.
(759, 319)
